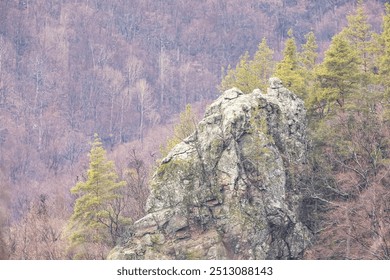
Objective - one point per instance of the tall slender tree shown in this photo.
(288, 69)
(384, 61)
(308, 59)
(358, 33)
(251, 74)
(240, 77)
(262, 65)
(95, 218)
(338, 75)
(182, 130)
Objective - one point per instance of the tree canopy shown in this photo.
(338, 74)
(288, 69)
(251, 74)
(186, 126)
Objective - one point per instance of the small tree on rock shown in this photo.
(182, 130)
(250, 74)
(288, 69)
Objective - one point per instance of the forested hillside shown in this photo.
(125, 69)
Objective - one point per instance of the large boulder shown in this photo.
(228, 190)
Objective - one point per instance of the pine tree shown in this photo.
(307, 59)
(262, 66)
(245, 79)
(240, 77)
(228, 80)
(96, 219)
(288, 69)
(361, 38)
(358, 33)
(308, 56)
(384, 61)
(182, 130)
(251, 74)
(338, 75)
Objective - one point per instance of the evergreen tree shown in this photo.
(262, 66)
(361, 38)
(358, 33)
(384, 62)
(251, 74)
(240, 77)
(308, 58)
(96, 219)
(338, 75)
(182, 130)
(288, 69)
(309, 55)
(245, 79)
(228, 80)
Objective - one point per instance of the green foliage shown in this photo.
(350, 151)
(250, 74)
(245, 79)
(384, 59)
(228, 80)
(338, 75)
(359, 35)
(308, 56)
(262, 66)
(182, 130)
(240, 77)
(307, 59)
(288, 69)
(348, 97)
(358, 32)
(350, 138)
(96, 219)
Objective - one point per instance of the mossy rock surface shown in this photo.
(222, 193)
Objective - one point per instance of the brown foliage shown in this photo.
(32, 221)
(38, 233)
(352, 192)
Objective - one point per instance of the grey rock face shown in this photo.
(227, 192)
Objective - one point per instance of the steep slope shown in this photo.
(226, 192)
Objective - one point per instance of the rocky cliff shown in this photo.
(228, 191)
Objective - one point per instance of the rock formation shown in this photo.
(227, 191)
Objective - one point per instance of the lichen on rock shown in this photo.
(223, 193)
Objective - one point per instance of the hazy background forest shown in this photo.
(125, 70)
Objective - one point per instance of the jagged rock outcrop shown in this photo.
(227, 191)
